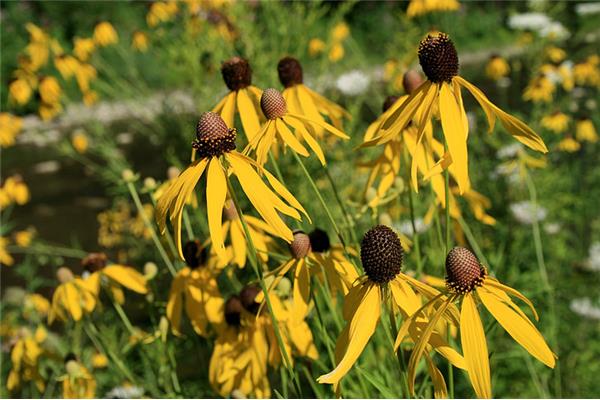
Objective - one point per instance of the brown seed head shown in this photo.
(463, 271)
(247, 296)
(64, 275)
(438, 58)
(194, 254)
(381, 254)
(319, 241)
(389, 101)
(273, 104)
(300, 246)
(213, 138)
(237, 73)
(233, 311)
(411, 81)
(94, 262)
(290, 71)
(229, 211)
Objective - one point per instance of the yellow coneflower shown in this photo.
(25, 357)
(555, 54)
(304, 101)
(260, 233)
(10, 127)
(277, 130)
(5, 258)
(467, 280)
(556, 122)
(80, 142)
(340, 32)
(48, 111)
(72, 298)
(195, 284)
(340, 273)
(240, 353)
(161, 11)
(215, 145)
(105, 34)
(243, 96)
(84, 75)
(540, 89)
(336, 53)
(381, 255)
(78, 382)
(23, 238)
(139, 41)
(90, 97)
(14, 190)
(497, 67)
(112, 276)
(66, 65)
(99, 361)
(316, 46)
(421, 7)
(50, 90)
(439, 60)
(36, 304)
(587, 73)
(569, 145)
(19, 91)
(585, 130)
(83, 48)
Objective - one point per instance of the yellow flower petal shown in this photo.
(301, 292)
(360, 329)
(228, 111)
(439, 384)
(472, 338)
(127, 277)
(521, 329)
(248, 114)
(216, 191)
(455, 135)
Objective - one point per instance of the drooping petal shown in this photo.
(332, 129)
(301, 292)
(71, 301)
(361, 328)
(517, 128)
(472, 338)
(439, 384)
(521, 329)
(425, 110)
(126, 276)
(496, 284)
(421, 344)
(174, 303)
(216, 191)
(454, 133)
(238, 243)
(228, 111)
(310, 140)
(248, 114)
(289, 139)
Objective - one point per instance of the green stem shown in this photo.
(415, 233)
(280, 177)
(473, 242)
(321, 199)
(399, 356)
(343, 209)
(123, 316)
(155, 239)
(254, 261)
(448, 245)
(91, 331)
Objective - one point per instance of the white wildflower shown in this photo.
(406, 228)
(585, 308)
(353, 83)
(593, 261)
(125, 392)
(555, 31)
(509, 151)
(587, 8)
(526, 213)
(533, 21)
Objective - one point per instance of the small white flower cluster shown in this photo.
(593, 261)
(587, 8)
(509, 151)
(585, 308)
(405, 227)
(353, 83)
(125, 392)
(525, 212)
(539, 23)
